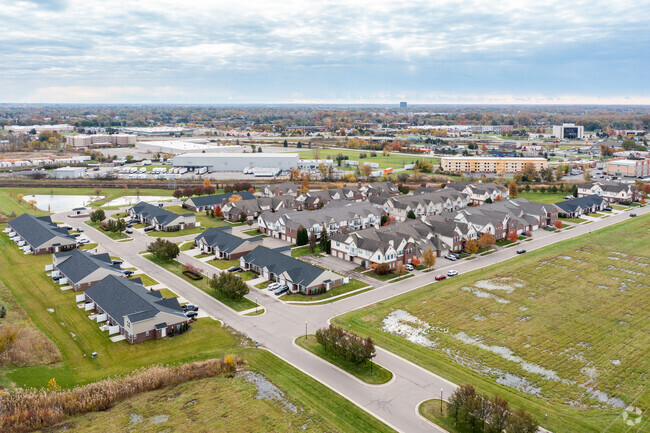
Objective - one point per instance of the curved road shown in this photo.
(395, 403)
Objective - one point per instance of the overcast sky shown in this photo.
(350, 51)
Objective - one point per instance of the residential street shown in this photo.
(396, 402)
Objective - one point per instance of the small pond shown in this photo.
(58, 203)
(133, 199)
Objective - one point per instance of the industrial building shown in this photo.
(569, 131)
(67, 172)
(489, 164)
(629, 167)
(64, 127)
(82, 140)
(176, 147)
(237, 161)
(159, 131)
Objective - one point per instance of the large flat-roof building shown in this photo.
(570, 131)
(63, 127)
(482, 164)
(159, 131)
(83, 140)
(67, 172)
(237, 161)
(629, 167)
(176, 147)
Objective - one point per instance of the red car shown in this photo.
(440, 277)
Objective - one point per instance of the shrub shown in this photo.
(163, 249)
(382, 269)
(32, 409)
(557, 224)
(302, 237)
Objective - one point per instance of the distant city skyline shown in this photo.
(347, 52)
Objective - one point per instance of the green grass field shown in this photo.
(304, 251)
(375, 375)
(113, 235)
(224, 264)
(146, 279)
(390, 161)
(335, 291)
(552, 331)
(539, 197)
(175, 268)
(9, 197)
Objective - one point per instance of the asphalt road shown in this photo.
(395, 403)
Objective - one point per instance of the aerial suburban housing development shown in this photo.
(39, 235)
(160, 218)
(81, 269)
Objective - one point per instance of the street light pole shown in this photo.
(256, 305)
(441, 400)
(305, 329)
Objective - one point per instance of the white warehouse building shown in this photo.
(237, 161)
(181, 147)
(67, 173)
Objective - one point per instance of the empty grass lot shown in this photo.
(374, 375)
(304, 251)
(390, 161)
(545, 330)
(543, 197)
(335, 291)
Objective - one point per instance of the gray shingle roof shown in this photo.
(120, 297)
(77, 264)
(151, 212)
(588, 201)
(276, 262)
(222, 240)
(213, 200)
(38, 230)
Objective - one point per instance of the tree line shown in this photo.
(346, 345)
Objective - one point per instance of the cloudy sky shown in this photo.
(349, 51)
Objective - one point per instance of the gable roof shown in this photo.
(161, 215)
(121, 298)
(221, 239)
(78, 264)
(587, 201)
(213, 200)
(299, 272)
(38, 230)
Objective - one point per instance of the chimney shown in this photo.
(277, 190)
(223, 201)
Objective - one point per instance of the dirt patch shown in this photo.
(406, 325)
(267, 390)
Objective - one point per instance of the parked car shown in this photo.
(409, 267)
(521, 251)
(116, 262)
(83, 240)
(56, 277)
(149, 228)
(80, 229)
(191, 314)
(452, 273)
(128, 231)
(273, 286)
(234, 269)
(451, 257)
(66, 226)
(127, 272)
(238, 276)
(189, 307)
(632, 214)
(608, 209)
(440, 277)
(129, 225)
(281, 290)
(75, 235)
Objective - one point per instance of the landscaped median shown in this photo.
(369, 372)
(116, 236)
(352, 285)
(176, 268)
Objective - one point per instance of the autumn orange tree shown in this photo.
(471, 246)
(512, 236)
(429, 258)
(512, 189)
(206, 183)
(486, 240)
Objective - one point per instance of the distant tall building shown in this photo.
(403, 105)
(569, 130)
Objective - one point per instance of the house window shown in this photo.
(147, 333)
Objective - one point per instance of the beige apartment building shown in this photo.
(494, 164)
(100, 140)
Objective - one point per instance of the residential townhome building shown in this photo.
(495, 223)
(378, 188)
(318, 198)
(335, 217)
(480, 192)
(133, 311)
(393, 245)
(451, 232)
(613, 192)
(81, 269)
(299, 276)
(530, 214)
(242, 209)
(161, 218)
(222, 243)
(433, 203)
(39, 235)
(205, 202)
(284, 188)
(576, 207)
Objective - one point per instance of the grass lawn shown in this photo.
(394, 161)
(201, 217)
(176, 268)
(185, 232)
(335, 291)
(113, 235)
(89, 246)
(572, 220)
(263, 285)
(146, 280)
(304, 251)
(202, 256)
(567, 318)
(187, 246)
(378, 375)
(543, 197)
(166, 293)
(385, 277)
(618, 207)
(430, 409)
(224, 264)
(23, 275)
(255, 232)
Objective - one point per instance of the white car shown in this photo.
(451, 257)
(409, 267)
(83, 240)
(273, 286)
(452, 273)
